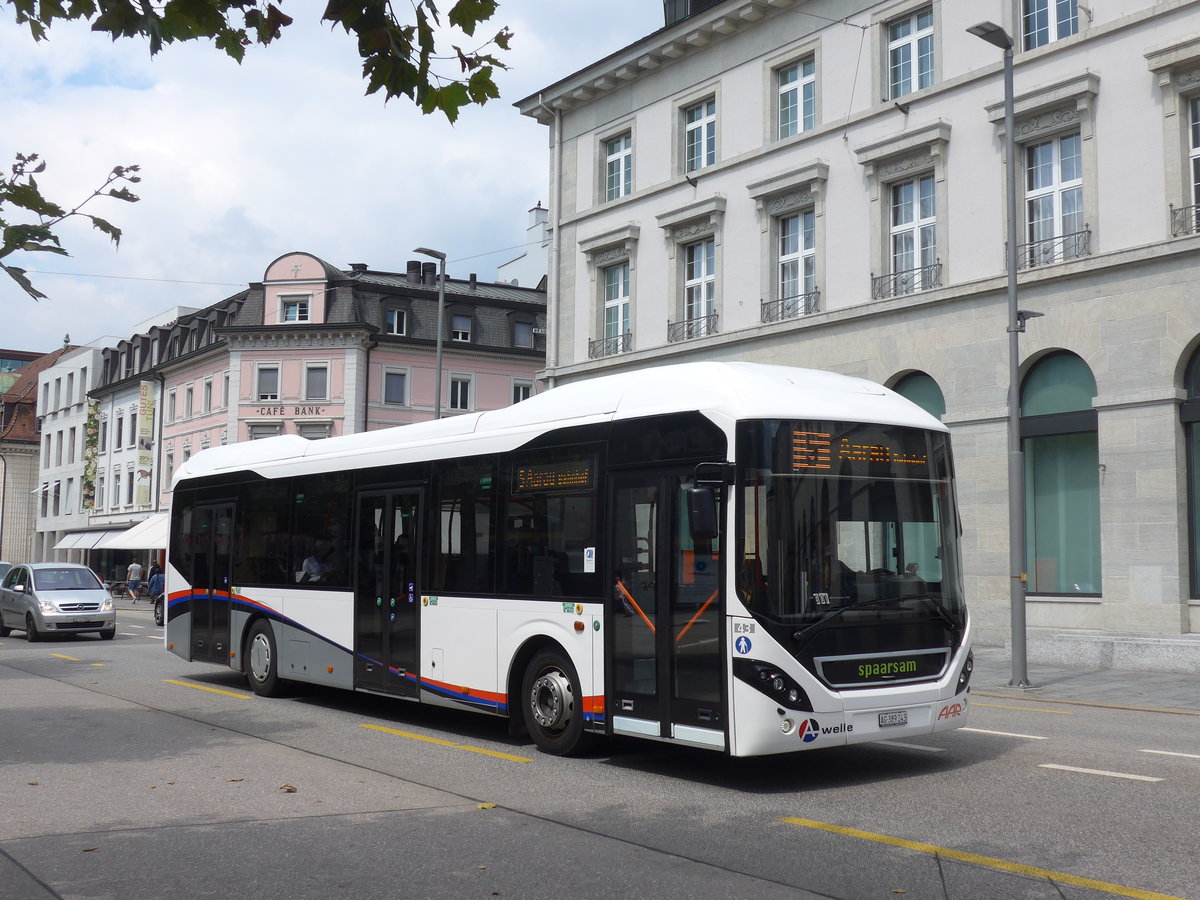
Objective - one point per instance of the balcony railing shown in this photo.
(690, 329)
(622, 343)
(1184, 220)
(908, 281)
(1056, 249)
(791, 307)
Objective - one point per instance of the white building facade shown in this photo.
(823, 185)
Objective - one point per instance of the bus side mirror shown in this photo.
(702, 514)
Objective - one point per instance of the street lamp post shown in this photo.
(441, 317)
(998, 37)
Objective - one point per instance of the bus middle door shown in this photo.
(212, 530)
(666, 671)
(386, 592)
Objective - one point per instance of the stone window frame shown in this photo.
(771, 69)
(395, 370)
(900, 158)
(679, 132)
(609, 133)
(1052, 111)
(1016, 19)
(309, 365)
(1177, 68)
(880, 21)
(300, 302)
(600, 252)
(786, 194)
(687, 225)
(454, 378)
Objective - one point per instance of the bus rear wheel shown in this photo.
(552, 704)
(262, 661)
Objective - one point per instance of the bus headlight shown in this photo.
(964, 677)
(770, 680)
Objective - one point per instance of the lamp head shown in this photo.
(993, 34)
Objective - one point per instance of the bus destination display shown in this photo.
(553, 476)
(820, 451)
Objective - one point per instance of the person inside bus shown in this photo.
(316, 566)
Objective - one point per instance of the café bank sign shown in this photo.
(293, 411)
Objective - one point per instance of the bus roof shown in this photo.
(724, 391)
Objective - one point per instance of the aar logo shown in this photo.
(953, 711)
(808, 731)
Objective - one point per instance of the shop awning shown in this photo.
(149, 534)
(83, 540)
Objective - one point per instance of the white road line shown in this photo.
(908, 746)
(128, 634)
(1028, 737)
(1172, 753)
(1098, 772)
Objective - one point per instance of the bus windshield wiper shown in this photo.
(939, 609)
(834, 613)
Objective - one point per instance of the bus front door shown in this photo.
(664, 618)
(386, 592)
(212, 530)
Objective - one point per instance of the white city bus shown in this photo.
(754, 559)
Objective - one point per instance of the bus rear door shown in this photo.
(665, 674)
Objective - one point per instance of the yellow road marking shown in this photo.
(1154, 709)
(64, 656)
(1053, 712)
(989, 862)
(98, 665)
(451, 744)
(211, 690)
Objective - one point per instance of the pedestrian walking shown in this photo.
(133, 578)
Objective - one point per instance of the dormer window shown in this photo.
(294, 309)
(460, 329)
(395, 321)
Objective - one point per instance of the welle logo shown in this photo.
(809, 730)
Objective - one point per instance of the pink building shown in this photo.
(318, 351)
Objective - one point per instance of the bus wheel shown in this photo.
(262, 661)
(552, 704)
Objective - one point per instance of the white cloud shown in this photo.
(241, 164)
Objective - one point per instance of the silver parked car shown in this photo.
(55, 598)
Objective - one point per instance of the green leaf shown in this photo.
(466, 14)
(18, 275)
(107, 227)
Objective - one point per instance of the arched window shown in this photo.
(922, 390)
(1189, 415)
(1062, 476)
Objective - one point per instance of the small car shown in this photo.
(44, 599)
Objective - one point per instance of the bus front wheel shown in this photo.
(262, 660)
(552, 704)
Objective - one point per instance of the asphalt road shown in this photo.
(128, 773)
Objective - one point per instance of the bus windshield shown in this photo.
(847, 523)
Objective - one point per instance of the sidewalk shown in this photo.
(1082, 684)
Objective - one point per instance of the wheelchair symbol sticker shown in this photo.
(742, 645)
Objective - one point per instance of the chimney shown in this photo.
(358, 267)
(414, 272)
(539, 215)
(429, 273)
(473, 282)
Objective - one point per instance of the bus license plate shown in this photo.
(893, 718)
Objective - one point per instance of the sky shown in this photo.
(241, 164)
